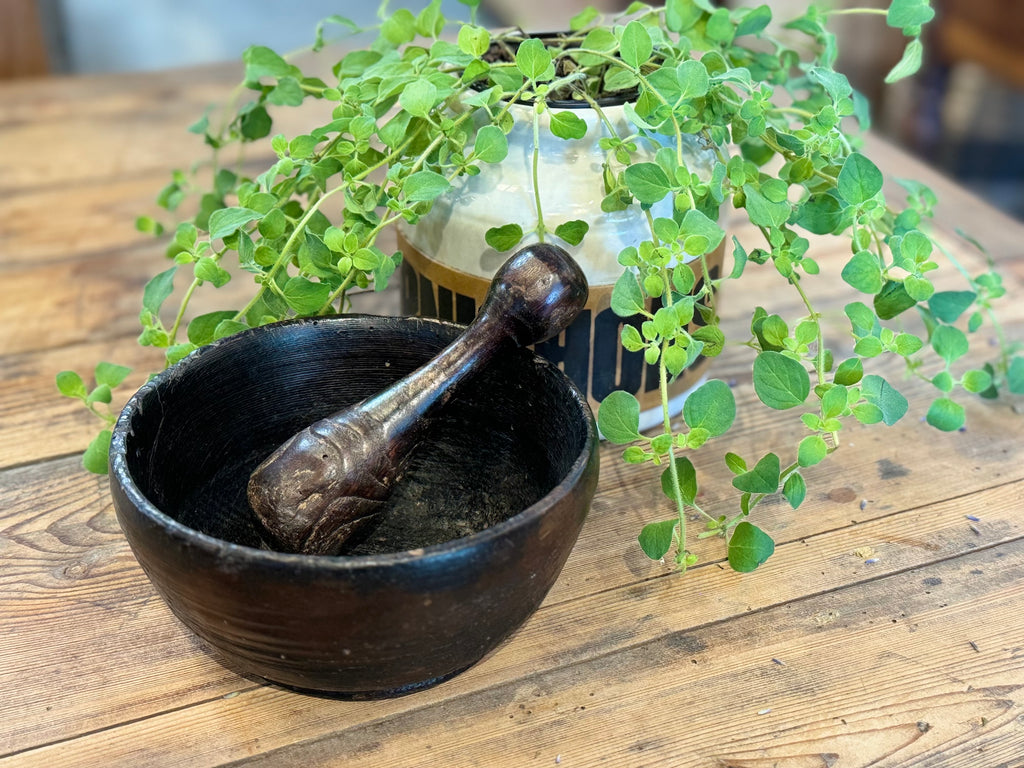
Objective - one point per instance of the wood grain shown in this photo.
(638, 624)
(885, 631)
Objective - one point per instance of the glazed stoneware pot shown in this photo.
(447, 265)
(472, 540)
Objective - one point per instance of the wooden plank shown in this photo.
(93, 597)
(958, 208)
(117, 126)
(36, 423)
(716, 695)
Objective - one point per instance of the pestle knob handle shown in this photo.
(328, 481)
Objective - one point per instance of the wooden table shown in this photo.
(888, 628)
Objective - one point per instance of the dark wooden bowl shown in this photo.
(472, 541)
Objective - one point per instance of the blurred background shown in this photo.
(963, 113)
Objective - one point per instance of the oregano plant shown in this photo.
(429, 101)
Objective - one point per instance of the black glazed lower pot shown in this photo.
(512, 457)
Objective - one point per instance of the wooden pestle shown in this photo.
(332, 478)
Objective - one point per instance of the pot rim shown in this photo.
(120, 474)
(616, 100)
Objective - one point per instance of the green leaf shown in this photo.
(834, 401)
(862, 319)
(687, 480)
(749, 547)
(618, 417)
(418, 97)
(835, 83)
(504, 238)
(566, 124)
(110, 374)
(95, 459)
(256, 123)
(261, 62)
(627, 298)
(869, 346)
(946, 415)
(753, 21)
(892, 300)
(636, 46)
(287, 93)
(491, 145)
(947, 306)
(302, 146)
(765, 212)
(977, 380)
(573, 231)
(227, 221)
(424, 186)
(820, 214)
(647, 182)
(909, 64)
(228, 328)
(881, 393)
(399, 27)
(849, 372)
(430, 22)
(101, 394)
(305, 296)
(692, 77)
(149, 225)
(918, 288)
(795, 489)
(735, 463)
(907, 344)
(474, 40)
(70, 384)
(1015, 375)
(863, 273)
(681, 15)
(779, 381)
(366, 259)
(711, 406)
(697, 223)
(202, 328)
(157, 290)
(656, 538)
(867, 413)
(208, 269)
(811, 451)
(859, 180)
(675, 358)
(532, 58)
(950, 343)
(943, 381)
(178, 352)
(720, 28)
(906, 14)
(763, 478)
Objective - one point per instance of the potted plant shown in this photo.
(428, 105)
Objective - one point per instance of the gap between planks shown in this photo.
(561, 637)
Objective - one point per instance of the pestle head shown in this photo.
(330, 480)
(538, 292)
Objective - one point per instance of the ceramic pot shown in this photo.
(447, 264)
(472, 539)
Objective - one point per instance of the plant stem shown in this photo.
(854, 11)
(541, 230)
(819, 358)
(673, 471)
(181, 309)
